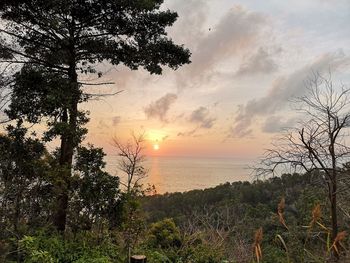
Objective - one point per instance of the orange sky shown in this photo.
(249, 58)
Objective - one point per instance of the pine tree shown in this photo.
(56, 40)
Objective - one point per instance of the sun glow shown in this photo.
(156, 147)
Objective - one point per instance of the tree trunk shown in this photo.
(16, 224)
(138, 259)
(334, 212)
(68, 144)
(334, 215)
(333, 194)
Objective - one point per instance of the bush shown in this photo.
(164, 234)
(82, 247)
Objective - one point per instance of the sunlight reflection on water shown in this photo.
(179, 174)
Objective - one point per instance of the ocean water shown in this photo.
(180, 174)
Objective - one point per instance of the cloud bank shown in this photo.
(238, 30)
(282, 90)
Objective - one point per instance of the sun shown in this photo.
(156, 147)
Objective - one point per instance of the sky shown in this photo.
(249, 59)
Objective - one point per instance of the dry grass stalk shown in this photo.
(280, 212)
(337, 241)
(316, 214)
(258, 237)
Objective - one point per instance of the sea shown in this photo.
(181, 174)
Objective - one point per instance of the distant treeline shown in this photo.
(261, 195)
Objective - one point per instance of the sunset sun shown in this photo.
(156, 147)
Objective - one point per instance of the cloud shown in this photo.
(274, 124)
(159, 108)
(188, 133)
(260, 62)
(190, 24)
(239, 130)
(203, 120)
(283, 89)
(202, 117)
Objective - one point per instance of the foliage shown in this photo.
(164, 234)
(83, 247)
(27, 174)
(24, 185)
(95, 194)
(165, 243)
(33, 254)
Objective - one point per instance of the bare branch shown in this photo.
(131, 161)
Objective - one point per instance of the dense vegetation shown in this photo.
(286, 217)
(291, 210)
